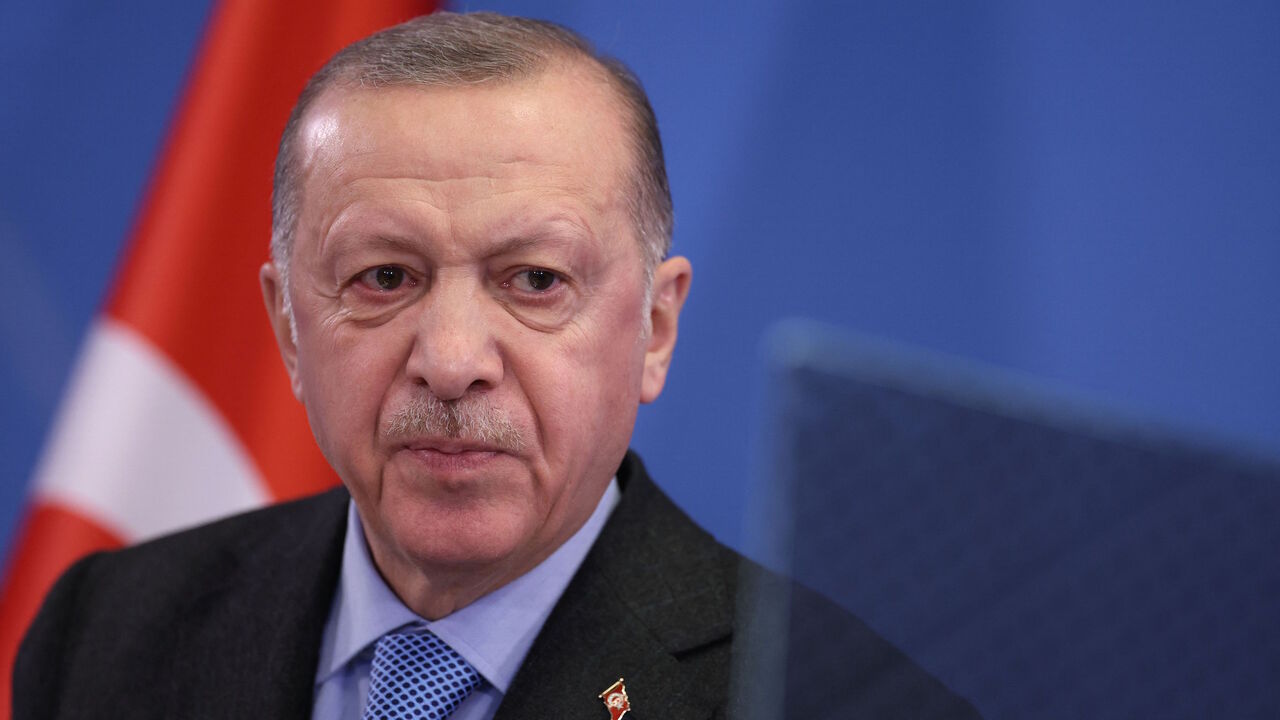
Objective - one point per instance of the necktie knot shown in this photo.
(417, 675)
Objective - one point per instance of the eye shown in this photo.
(384, 277)
(537, 280)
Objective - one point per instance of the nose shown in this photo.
(455, 349)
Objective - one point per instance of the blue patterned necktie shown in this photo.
(416, 675)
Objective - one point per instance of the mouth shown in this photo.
(449, 457)
(451, 446)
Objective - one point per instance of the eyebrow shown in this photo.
(395, 242)
(558, 233)
(523, 242)
(548, 235)
(346, 244)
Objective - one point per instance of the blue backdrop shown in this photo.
(1085, 191)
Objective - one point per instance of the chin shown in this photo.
(456, 538)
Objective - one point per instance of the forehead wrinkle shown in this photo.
(502, 171)
(388, 241)
(566, 225)
(336, 117)
(325, 225)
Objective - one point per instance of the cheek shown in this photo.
(585, 391)
(346, 374)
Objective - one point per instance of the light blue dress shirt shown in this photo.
(493, 633)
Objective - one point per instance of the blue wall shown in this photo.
(1088, 192)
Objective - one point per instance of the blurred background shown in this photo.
(1084, 193)
(1087, 192)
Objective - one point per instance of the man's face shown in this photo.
(471, 246)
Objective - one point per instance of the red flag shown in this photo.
(179, 409)
(616, 700)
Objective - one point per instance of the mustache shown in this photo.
(471, 418)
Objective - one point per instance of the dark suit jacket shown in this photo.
(225, 621)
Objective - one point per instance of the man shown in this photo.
(471, 290)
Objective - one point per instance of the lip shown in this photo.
(451, 446)
(444, 458)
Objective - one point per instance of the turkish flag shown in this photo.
(179, 410)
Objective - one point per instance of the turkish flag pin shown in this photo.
(615, 699)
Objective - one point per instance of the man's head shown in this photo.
(475, 303)
(451, 50)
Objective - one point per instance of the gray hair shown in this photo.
(448, 50)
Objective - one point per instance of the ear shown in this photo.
(273, 296)
(670, 288)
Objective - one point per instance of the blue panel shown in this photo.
(1042, 557)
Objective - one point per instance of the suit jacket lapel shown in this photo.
(652, 603)
(251, 648)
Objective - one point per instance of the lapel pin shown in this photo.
(615, 699)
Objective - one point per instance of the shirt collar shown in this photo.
(493, 633)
